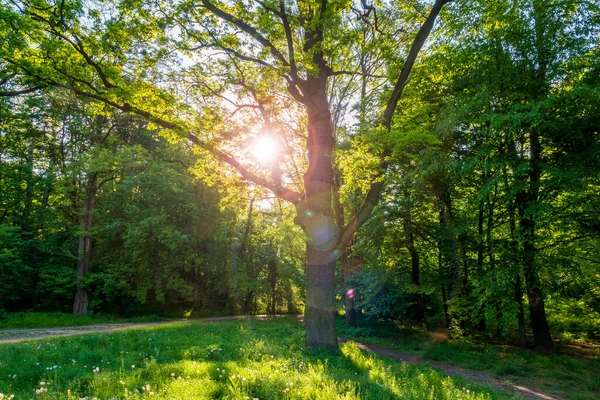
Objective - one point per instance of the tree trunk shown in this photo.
(521, 312)
(349, 291)
(518, 289)
(415, 273)
(320, 300)
(316, 216)
(80, 306)
(247, 303)
(480, 259)
(526, 203)
(445, 302)
(242, 256)
(231, 304)
(448, 225)
(29, 179)
(490, 248)
(273, 275)
(347, 262)
(44, 204)
(449, 251)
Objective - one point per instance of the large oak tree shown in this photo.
(121, 54)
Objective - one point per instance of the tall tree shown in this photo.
(297, 43)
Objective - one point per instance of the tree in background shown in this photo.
(498, 158)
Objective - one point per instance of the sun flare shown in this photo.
(265, 149)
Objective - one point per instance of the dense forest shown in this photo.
(430, 162)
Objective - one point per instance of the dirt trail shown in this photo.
(21, 335)
(527, 392)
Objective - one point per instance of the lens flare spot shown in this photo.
(323, 233)
(265, 149)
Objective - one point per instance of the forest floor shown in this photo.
(521, 386)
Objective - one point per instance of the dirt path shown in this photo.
(22, 335)
(527, 392)
(485, 378)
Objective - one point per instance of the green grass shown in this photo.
(55, 319)
(570, 377)
(244, 359)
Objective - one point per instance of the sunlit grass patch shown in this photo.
(229, 360)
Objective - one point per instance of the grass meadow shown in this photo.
(244, 359)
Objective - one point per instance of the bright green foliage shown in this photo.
(160, 233)
(462, 164)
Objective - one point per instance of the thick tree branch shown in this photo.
(11, 93)
(372, 197)
(363, 214)
(418, 43)
(6, 79)
(248, 29)
(289, 38)
(280, 191)
(106, 180)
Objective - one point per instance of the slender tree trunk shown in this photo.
(480, 259)
(231, 271)
(448, 251)
(517, 288)
(526, 203)
(446, 311)
(242, 255)
(349, 291)
(415, 273)
(347, 263)
(273, 275)
(45, 198)
(443, 275)
(248, 302)
(29, 180)
(490, 248)
(449, 226)
(521, 312)
(80, 306)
